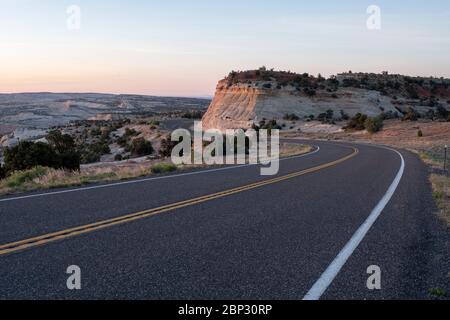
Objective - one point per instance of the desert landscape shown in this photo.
(131, 133)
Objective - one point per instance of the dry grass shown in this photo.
(293, 149)
(441, 194)
(41, 178)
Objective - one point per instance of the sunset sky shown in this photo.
(182, 48)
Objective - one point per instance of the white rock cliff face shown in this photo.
(242, 105)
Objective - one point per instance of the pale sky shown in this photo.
(182, 48)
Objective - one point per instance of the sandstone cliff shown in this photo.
(245, 98)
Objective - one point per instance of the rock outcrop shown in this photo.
(245, 98)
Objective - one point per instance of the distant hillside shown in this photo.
(43, 110)
(246, 97)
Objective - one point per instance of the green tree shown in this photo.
(65, 147)
(27, 155)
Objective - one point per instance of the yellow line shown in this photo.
(64, 234)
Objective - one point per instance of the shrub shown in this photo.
(2, 172)
(373, 125)
(141, 147)
(310, 92)
(195, 114)
(155, 123)
(89, 156)
(118, 157)
(326, 117)
(18, 178)
(411, 115)
(357, 122)
(65, 147)
(27, 155)
(100, 147)
(389, 115)
(420, 134)
(291, 117)
(122, 141)
(412, 92)
(130, 133)
(163, 168)
(442, 112)
(272, 124)
(167, 146)
(344, 116)
(438, 292)
(95, 132)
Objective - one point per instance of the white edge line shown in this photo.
(147, 179)
(325, 280)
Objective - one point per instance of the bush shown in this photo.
(420, 134)
(389, 115)
(18, 178)
(155, 123)
(411, 115)
(2, 172)
(442, 112)
(344, 116)
(167, 146)
(326, 117)
(163, 168)
(118, 157)
(93, 152)
(373, 125)
(130, 133)
(27, 155)
(291, 117)
(65, 147)
(310, 92)
(193, 114)
(271, 125)
(96, 132)
(141, 147)
(357, 122)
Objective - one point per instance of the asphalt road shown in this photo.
(264, 241)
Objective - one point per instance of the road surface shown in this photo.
(309, 232)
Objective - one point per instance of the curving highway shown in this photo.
(310, 232)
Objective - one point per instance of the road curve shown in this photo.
(271, 238)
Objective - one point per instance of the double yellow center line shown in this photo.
(64, 234)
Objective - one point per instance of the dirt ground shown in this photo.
(397, 133)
